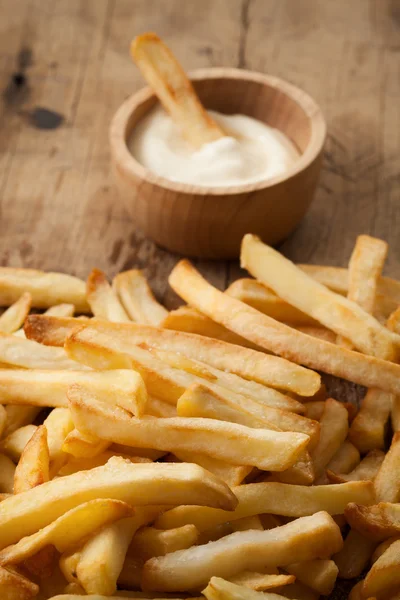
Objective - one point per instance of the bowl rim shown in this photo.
(123, 156)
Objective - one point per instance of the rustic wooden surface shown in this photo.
(58, 207)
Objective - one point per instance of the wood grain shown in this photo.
(58, 209)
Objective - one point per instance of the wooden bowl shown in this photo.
(209, 222)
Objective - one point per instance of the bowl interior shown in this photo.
(266, 102)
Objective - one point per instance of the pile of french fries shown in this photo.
(195, 453)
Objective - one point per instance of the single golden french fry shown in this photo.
(231, 474)
(67, 530)
(377, 522)
(383, 546)
(257, 295)
(7, 472)
(261, 582)
(366, 470)
(334, 427)
(384, 577)
(149, 542)
(46, 289)
(253, 522)
(149, 453)
(17, 417)
(220, 589)
(13, 318)
(58, 425)
(159, 408)
(136, 484)
(229, 442)
(101, 559)
(352, 559)
(393, 322)
(395, 413)
(367, 431)
(272, 498)
(137, 298)
(298, 591)
(14, 586)
(345, 460)
(317, 536)
(60, 310)
(19, 352)
(387, 480)
(355, 593)
(102, 299)
(83, 445)
(339, 314)
(321, 333)
(123, 388)
(33, 467)
(3, 420)
(269, 370)
(14, 443)
(189, 320)
(279, 338)
(320, 575)
(314, 409)
(206, 401)
(169, 82)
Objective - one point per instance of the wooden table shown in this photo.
(59, 210)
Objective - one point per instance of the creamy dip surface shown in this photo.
(251, 152)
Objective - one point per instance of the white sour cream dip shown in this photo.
(251, 152)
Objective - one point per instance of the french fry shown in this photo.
(3, 420)
(102, 299)
(345, 460)
(102, 557)
(352, 559)
(20, 352)
(334, 427)
(7, 471)
(387, 480)
(355, 593)
(298, 591)
(220, 589)
(321, 333)
(261, 582)
(229, 442)
(257, 295)
(366, 470)
(332, 310)
(269, 370)
(58, 425)
(149, 542)
(231, 474)
(13, 318)
(314, 409)
(136, 484)
(149, 453)
(251, 389)
(383, 546)
(169, 82)
(19, 416)
(137, 298)
(367, 431)
(317, 536)
(272, 498)
(61, 310)
(14, 443)
(395, 413)
(207, 401)
(85, 464)
(279, 338)
(320, 575)
(34, 465)
(83, 445)
(68, 530)
(384, 577)
(246, 523)
(123, 388)
(46, 289)
(14, 586)
(189, 320)
(377, 522)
